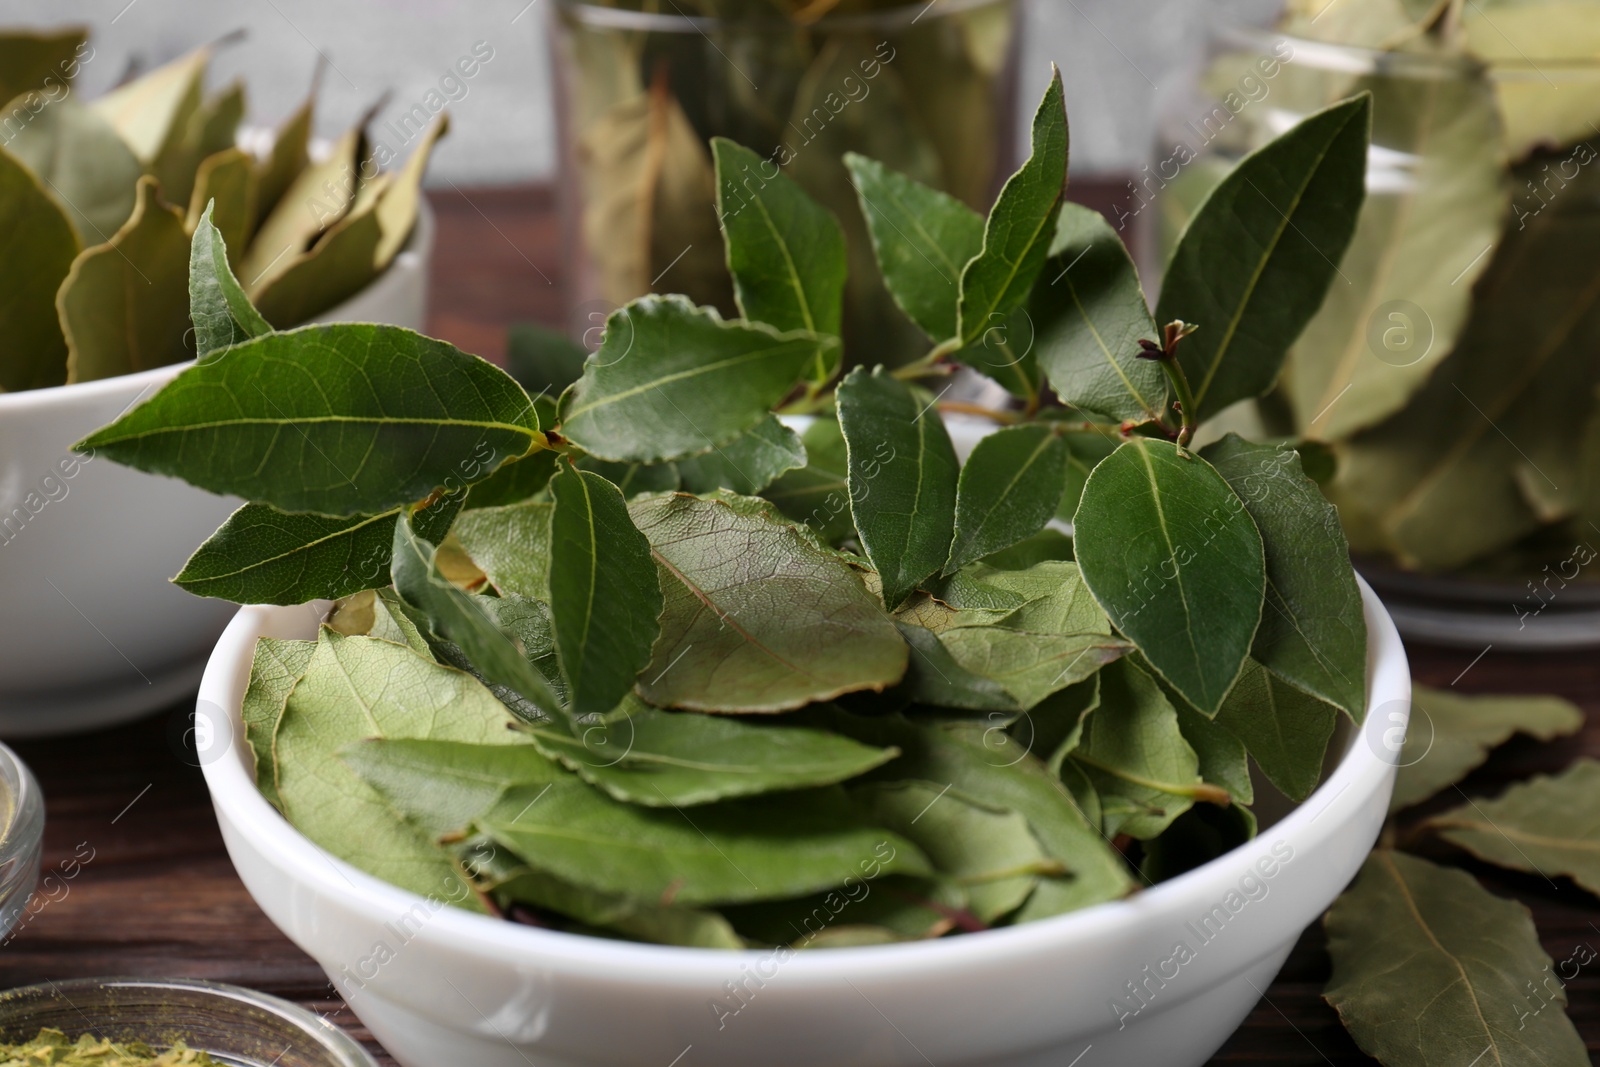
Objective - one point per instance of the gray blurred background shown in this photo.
(1117, 57)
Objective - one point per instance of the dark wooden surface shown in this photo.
(159, 896)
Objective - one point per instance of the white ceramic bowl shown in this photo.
(93, 633)
(1102, 986)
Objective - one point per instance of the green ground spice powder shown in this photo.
(52, 1048)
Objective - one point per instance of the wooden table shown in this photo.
(160, 897)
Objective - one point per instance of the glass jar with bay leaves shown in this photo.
(643, 87)
(1452, 369)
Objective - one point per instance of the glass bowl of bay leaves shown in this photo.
(98, 198)
(743, 708)
(1452, 372)
(928, 89)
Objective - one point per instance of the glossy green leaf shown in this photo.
(265, 556)
(818, 494)
(1418, 248)
(222, 314)
(125, 305)
(923, 238)
(758, 618)
(1285, 730)
(635, 478)
(1089, 314)
(604, 594)
(1549, 825)
(79, 158)
(515, 481)
(896, 907)
(361, 687)
(935, 754)
(1450, 734)
(1008, 490)
(643, 755)
(1430, 968)
(1224, 762)
(1021, 225)
(903, 477)
(1132, 749)
(673, 380)
(785, 251)
(1313, 630)
(1259, 255)
(1196, 837)
(1173, 557)
(747, 464)
(992, 853)
(1004, 352)
(739, 850)
(464, 619)
(276, 667)
(394, 417)
(37, 247)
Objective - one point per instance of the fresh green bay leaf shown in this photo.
(221, 312)
(898, 907)
(759, 848)
(785, 251)
(1021, 225)
(632, 479)
(441, 785)
(643, 755)
(746, 465)
(1549, 825)
(1313, 628)
(903, 478)
(1175, 560)
(395, 416)
(543, 361)
(1285, 730)
(1429, 967)
(923, 239)
(1224, 761)
(265, 556)
(1258, 257)
(758, 618)
(1450, 734)
(1008, 490)
(674, 380)
(512, 545)
(1090, 314)
(604, 594)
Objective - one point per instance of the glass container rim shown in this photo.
(27, 804)
(1362, 60)
(901, 17)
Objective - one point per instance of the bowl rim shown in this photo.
(332, 1038)
(418, 246)
(1360, 775)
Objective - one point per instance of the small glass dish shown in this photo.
(21, 838)
(236, 1026)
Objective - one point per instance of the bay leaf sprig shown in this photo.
(719, 574)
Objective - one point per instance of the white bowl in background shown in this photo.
(93, 633)
(1099, 987)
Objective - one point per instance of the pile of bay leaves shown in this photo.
(644, 661)
(99, 198)
(1455, 367)
(925, 90)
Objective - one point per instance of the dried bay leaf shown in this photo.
(397, 206)
(291, 152)
(1430, 968)
(151, 113)
(227, 183)
(276, 667)
(1546, 79)
(360, 687)
(1549, 825)
(125, 305)
(897, 907)
(209, 129)
(30, 58)
(320, 195)
(757, 618)
(37, 249)
(77, 155)
(1451, 734)
(341, 263)
(512, 545)
(1428, 219)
